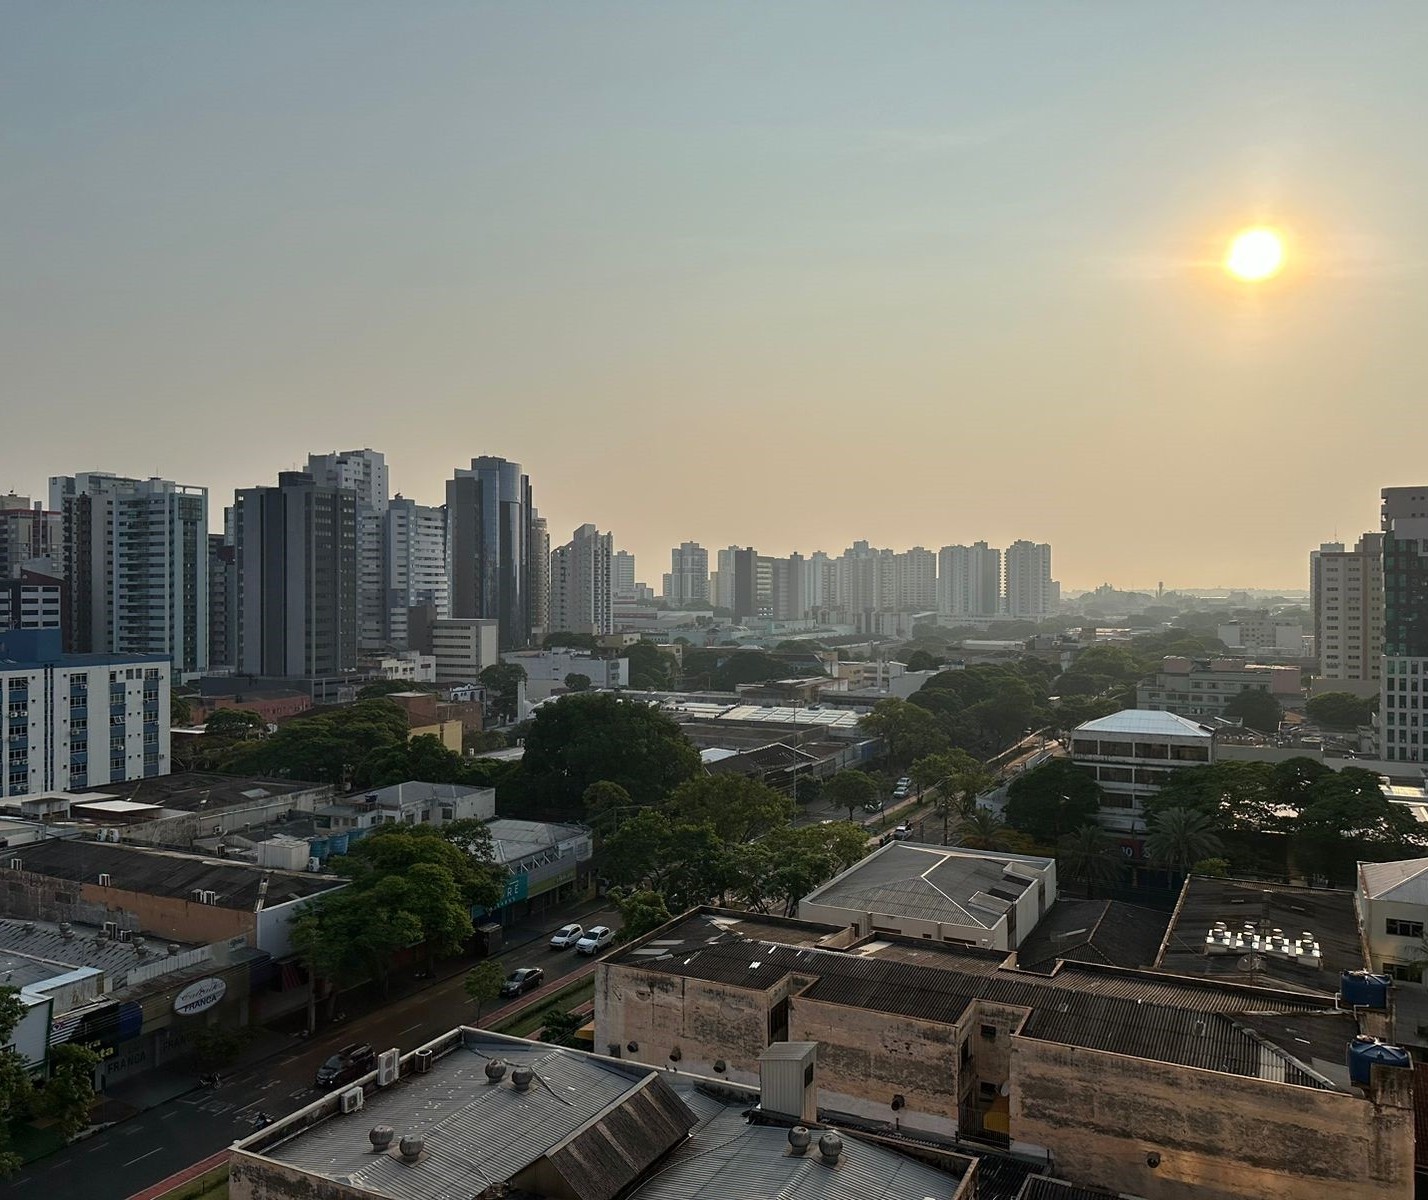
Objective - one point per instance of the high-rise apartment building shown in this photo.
(969, 580)
(688, 578)
(31, 537)
(1030, 593)
(296, 551)
(364, 473)
(222, 599)
(788, 587)
(723, 583)
(490, 538)
(820, 590)
(31, 600)
(135, 556)
(581, 583)
(1403, 707)
(1346, 591)
(915, 580)
(79, 721)
(414, 567)
(540, 578)
(622, 576)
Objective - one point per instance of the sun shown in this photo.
(1255, 254)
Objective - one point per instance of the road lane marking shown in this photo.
(141, 1157)
(169, 1115)
(409, 1028)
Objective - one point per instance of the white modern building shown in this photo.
(582, 585)
(915, 579)
(969, 581)
(1392, 902)
(1205, 687)
(463, 647)
(1131, 753)
(688, 578)
(1346, 591)
(74, 721)
(622, 576)
(723, 582)
(1262, 631)
(364, 473)
(415, 569)
(31, 601)
(136, 560)
(1030, 593)
(546, 670)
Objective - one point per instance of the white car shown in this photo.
(596, 938)
(902, 833)
(566, 936)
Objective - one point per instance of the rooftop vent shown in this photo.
(830, 1146)
(423, 1061)
(799, 1139)
(381, 1137)
(412, 1146)
(173, 949)
(105, 880)
(495, 1070)
(521, 1079)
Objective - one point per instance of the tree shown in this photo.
(736, 808)
(982, 829)
(217, 1047)
(583, 739)
(641, 911)
(908, 730)
(1346, 818)
(605, 803)
(1086, 855)
(1339, 710)
(16, 1088)
(483, 983)
(68, 1094)
(651, 669)
(390, 687)
(921, 660)
(790, 863)
(1052, 800)
(180, 711)
(1179, 838)
(233, 724)
(561, 1027)
(1241, 797)
(957, 778)
(576, 682)
(324, 747)
(502, 682)
(851, 790)
(565, 640)
(1256, 708)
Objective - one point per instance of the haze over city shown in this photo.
(775, 274)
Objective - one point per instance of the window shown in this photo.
(1408, 929)
(1403, 972)
(989, 1032)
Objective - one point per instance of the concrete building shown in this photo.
(1392, 903)
(915, 579)
(222, 602)
(948, 894)
(546, 670)
(969, 581)
(582, 584)
(136, 560)
(30, 536)
(1262, 631)
(688, 580)
(463, 648)
(1030, 593)
(31, 600)
(1203, 688)
(1131, 753)
(547, 861)
(77, 720)
(722, 584)
(540, 578)
(622, 576)
(1403, 708)
(414, 570)
(1346, 591)
(364, 473)
(1142, 1083)
(476, 1114)
(491, 540)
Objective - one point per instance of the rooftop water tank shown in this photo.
(1364, 1051)
(1362, 989)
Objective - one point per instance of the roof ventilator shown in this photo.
(521, 1079)
(830, 1147)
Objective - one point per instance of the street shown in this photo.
(153, 1145)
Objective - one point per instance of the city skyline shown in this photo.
(972, 255)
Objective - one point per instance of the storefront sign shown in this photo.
(199, 996)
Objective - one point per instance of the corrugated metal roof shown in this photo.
(1145, 722)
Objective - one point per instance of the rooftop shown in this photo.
(775, 757)
(518, 841)
(194, 790)
(1209, 1024)
(39, 950)
(166, 872)
(933, 883)
(1405, 881)
(1145, 723)
(589, 1128)
(1097, 931)
(1328, 915)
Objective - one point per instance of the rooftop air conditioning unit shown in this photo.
(352, 1100)
(389, 1067)
(17, 864)
(104, 879)
(126, 935)
(111, 930)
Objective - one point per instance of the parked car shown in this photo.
(349, 1063)
(900, 792)
(872, 806)
(566, 936)
(596, 938)
(902, 833)
(518, 983)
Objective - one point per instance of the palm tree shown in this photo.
(1087, 855)
(1179, 838)
(982, 829)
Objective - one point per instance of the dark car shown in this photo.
(518, 983)
(349, 1063)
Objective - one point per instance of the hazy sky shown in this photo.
(786, 274)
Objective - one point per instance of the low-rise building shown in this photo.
(1204, 687)
(1143, 1083)
(546, 670)
(548, 863)
(946, 893)
(1131, 753)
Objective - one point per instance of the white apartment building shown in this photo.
(546, 670)
(1346, 590)
(1203, 688)
(415, 568)
(723, 582)
(1030, 593)
(1403, 706)
(581, 583)
(688, 578)
(540, 578)
(136, 558)
(1131, 753)
(464, 647)
(821, 582)
(31, 601)
(74, 721)
(915, 579)
(969, 581)
(1261, 631)
(622, 576)
(363, 472)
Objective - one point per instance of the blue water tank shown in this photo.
(1364, 1051)
(1362, 989)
